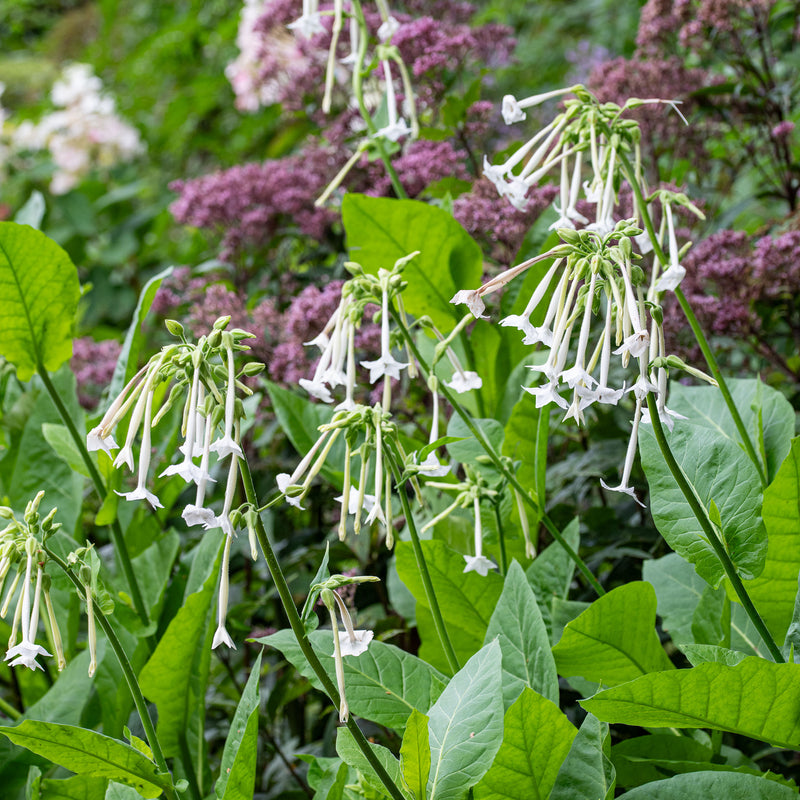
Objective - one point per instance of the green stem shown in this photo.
(502, 538)
(296, 625)
(540, 455)
(422, 566)
(708, 529)
(125, 665)
(358, 92)
(702, 341)
(120, 547)
(9, 710)
(500, 465)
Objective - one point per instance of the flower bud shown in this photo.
(174, 327)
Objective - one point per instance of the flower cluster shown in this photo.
(20, 549)
(211, 424)
(93, 364)
(85, 133)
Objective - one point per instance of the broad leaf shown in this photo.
(615, 639)
(773, 592)
(40, 291)
(703, 785)
(524, 641)
(90, 753)
(587, 770)
(536, 741)
(719, 471)
(384, 684)
(705, 653)
(756, 698)
(381, 230)
(415, 755)
(467, 449)
(466, 726)
(767, 415)
(467, 601)
(237, 772)
(168, 676)
(79, 787)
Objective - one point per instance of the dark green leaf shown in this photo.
(703, 785)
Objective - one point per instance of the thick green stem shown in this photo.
(125, 665)
(358, 92)
(708, 529)
(702, 341)
(422, 566)
(296, 625)
(120, 547)
(500, 465)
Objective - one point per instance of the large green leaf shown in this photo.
(167, 678)
(551, 573)
(467, 601)
(466, 726)
(90, 753)
(615, 639)
(719, 471)
(40, 291)
(756, 698)
(587, 770)
(524, 641)
(415, 755)
(352, 755)
(773, 592)
(78, 787)
(384, 684)
(381, 230)
(237, 772)
(536, 741)
(704, 785)
(767, 415)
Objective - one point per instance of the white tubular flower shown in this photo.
(629, 457)
(221, 635)
(309, 22)
(522, 321)
(604, 221)
(386, 365)
(97, 440)
(141, 492)
(574, 192)
(91, 632)
(671, 279)
(465, 380)
(196, 514)
(603, 393)
(224, 520)
(352, 56)
(396, 128)
(25, 653)
(348, 404)
(351, 641)
(478, 563)
(431, 466)
(577, 375)
(227, 445)
(512, 108)
(100, 438)
(472, 300)
(187, 469)
(284, 480)
(388, 29)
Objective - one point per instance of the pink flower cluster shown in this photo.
(93, 364)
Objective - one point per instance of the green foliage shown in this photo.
(415, 755)
(701, 785)
(89, 753)
(712, 695)
(39, 285)
(587, 770)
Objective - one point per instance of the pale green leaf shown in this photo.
(352, 755)
(58, 437)
(415, 755)
(756, 698)
(90, 753)
(615, 639)
(536, 741)
(78, 787)
(237, 772)
(40, 291)
(705, 653)
(466, 726)
(118, 791)
(524, 641)
(384, 684)
(587, 770)
(718, 469)
(705, 785)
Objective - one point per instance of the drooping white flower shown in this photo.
(396, 127)
(221, 635)
(141, 492)
(386, 365)
(478, 563)
(629, 458)
(670, 280)
(227, 445)
(97, 440)
(464, 381)
(187, 469)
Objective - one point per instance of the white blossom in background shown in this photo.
(83, 134)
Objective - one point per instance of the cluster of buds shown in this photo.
(347, 642)
(21, 553)
(205, 375)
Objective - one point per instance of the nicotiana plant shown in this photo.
(507, 636)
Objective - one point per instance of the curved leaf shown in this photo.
(702, 785)
(756, 698)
